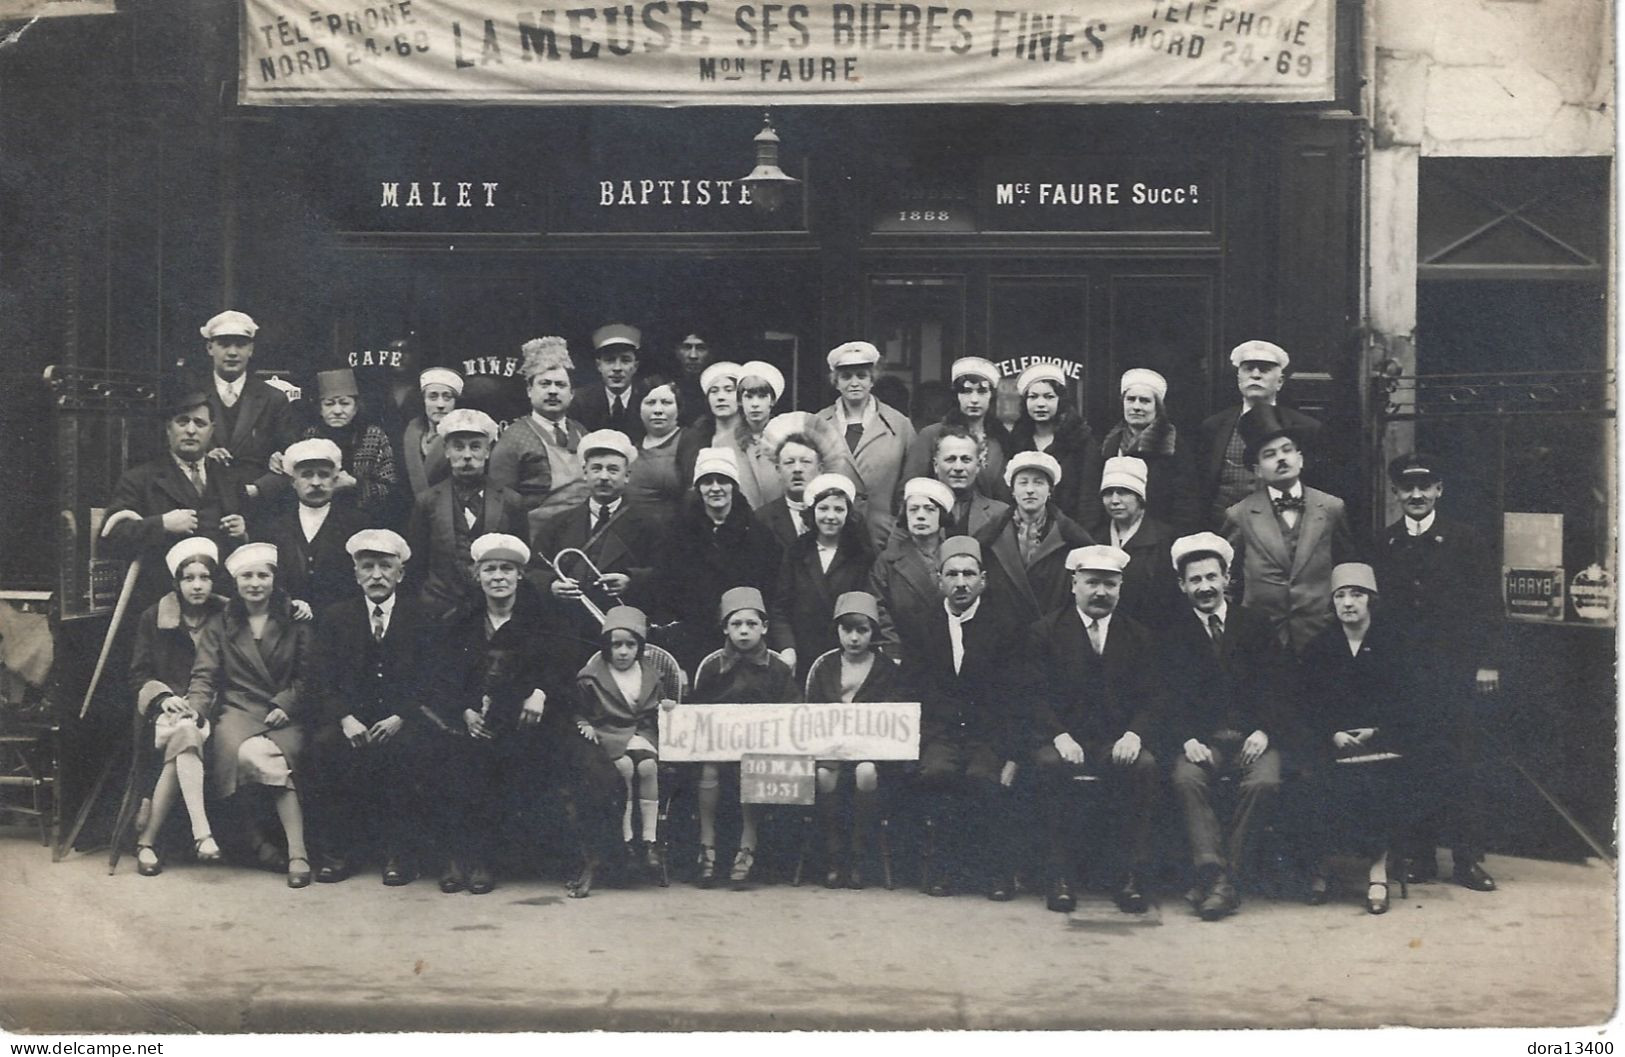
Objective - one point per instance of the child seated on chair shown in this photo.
(856, 671)
(620, 693)
(744, 671)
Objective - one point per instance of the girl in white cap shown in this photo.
(1049, 422)
(1146, 432)
(160, 669)
(423, 450)
(367, 477)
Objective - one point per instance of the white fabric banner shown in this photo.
(686, 52)
(693, 733)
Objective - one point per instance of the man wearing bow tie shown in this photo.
(1286, 536)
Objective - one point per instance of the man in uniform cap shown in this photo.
(370, 756)
(310, 537)
(1230, 698)
(252, 419)
(1097, 701)
(612, 401)
(1286, 536)
(178, 494)
(965, 675)
(1226, 476)
(877, 434)
(448, 517)
(1439, 584)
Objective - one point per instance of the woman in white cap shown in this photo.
(975, 383)
(249, 677)
(721, 424)
(1365, 732)
(1145, 432)
(1150, 592)
(1049, 422)
(656, 482)
(831, 558)
(904, 576)
(160, 669)
(1027, 565)
(761, 385)
(367, 478)
(423, 450)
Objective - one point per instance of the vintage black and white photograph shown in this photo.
(807, 515)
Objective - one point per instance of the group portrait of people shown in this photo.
(415, 641)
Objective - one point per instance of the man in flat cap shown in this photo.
(1286, 536)
(1094, 710)
(180, 493)
(312, 563)
(965, 677)
(252, 419)
(1439, 582)
(1229, 701)
(877, 434)
(1226, 477)
(612, 401)
(368, 761)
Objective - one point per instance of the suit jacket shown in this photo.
(1245, 687)
(440, 571)
(803, 597)
(982, 701)
(1031, 591)
(879, 463)
(1216, 430)
(1293, 590)
(629, 543)
(319, 571)
(1443, 587)
(1093, 698)
(590, 407)
(777, 519)
(265, 424)
(367, 679)
(989, 479)
(151, 490)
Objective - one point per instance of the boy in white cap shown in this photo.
(1097, 700)
(452, 514)
(1028, 567)
(252, 419)
(612, 401)
(1226, 475)
(310, 537)
(975, 383)
(876, 434)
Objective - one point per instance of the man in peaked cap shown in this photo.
(310, 537)
(252, 419)
(877, 434)
(1225, 475)
(1439, 582)
(1095, 710)
(612, 401)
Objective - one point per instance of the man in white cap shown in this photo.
(964, 674)
(1028, 567)
(1226, 477)
(369, 757)
(252, 420)
(1096, 702)
(620, 539)
(1230, 699)
(448, 517)
(876, 434)
(1150, 594)
(612, 401)
(975, 383)
(312, 562)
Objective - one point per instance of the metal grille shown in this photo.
(1418, 396)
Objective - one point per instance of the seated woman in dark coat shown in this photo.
(819, 566)
(1146, 433)
(1050, 423)
(161, 667)
(904, 577)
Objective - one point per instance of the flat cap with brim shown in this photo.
(616, 335)
(1146, 377)
(607, 440)
(858, 603)
(722, 461)
(1202, 543)
(1041, 461)
(499, 546)
(932, 489)
(627, 618)
(1097, 558)
(337, 382)
(441, 376)
(230, 323)
(1259, 426)
(313, 449)
(959, 547)
(1125, 471)
(1412, 467)
(825, 483)
(468, 420)
(853, 354)
(736, 598)
(766, 372)
(189, 548)
(1354, 574)
(974, 367)
(716, 372)
(378, 541)
(249, 555)
(1256, 351)
(1041, 372)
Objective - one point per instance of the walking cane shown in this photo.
(119, 607)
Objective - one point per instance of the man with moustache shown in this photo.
(612, 402)
(312, 563)
(537, 455)
(798, 462)
(253, 420)
(1226, 475)
(1228, 696)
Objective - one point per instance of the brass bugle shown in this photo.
(597, 575)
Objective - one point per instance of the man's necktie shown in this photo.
(1096, 638)
(601, 517)
(378, 623)
(1215, 631)
(229, 397)
(195, 473)
(854, 434)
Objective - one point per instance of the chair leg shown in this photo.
(885, 854)
(806, 843)
(928, 854)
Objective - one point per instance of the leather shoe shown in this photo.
(1060, 897)
(1221, 901)
(332, 871)
(1472, 876)
(938, 886)
(1374, 904)
(1130, 900)
(1002, 890)
(452, 878)
(1421, 871)
(480, 880)
(397, 873)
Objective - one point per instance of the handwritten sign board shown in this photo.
(694, 733)
(772, 779)
(741, 52)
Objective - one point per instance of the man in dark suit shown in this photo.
(956, 462)
(612, 402)
(253, 419)
(1093, 711)
(312, 563)
(1439, 581)
(1226, 674)
(798, 462)
(1226, 477)
(369, 752)
(451, 515)
(964, 674)
(178, 494)
(619, 539)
